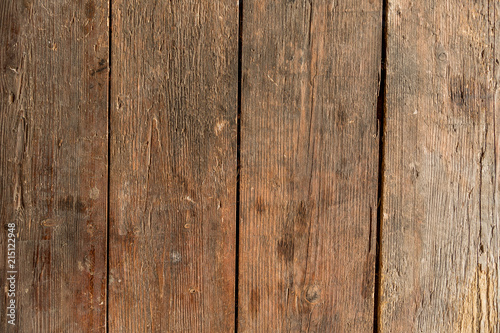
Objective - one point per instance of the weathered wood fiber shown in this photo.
(309, 162)
(53, 162)
(440, 246)
(173, 166)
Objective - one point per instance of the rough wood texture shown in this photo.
(173, 166)
(309, 161)
(440, 223)
(53, 162)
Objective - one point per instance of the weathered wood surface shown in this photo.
(440, 247)
(53, 162)
(173, 166)
(309, 157)
(309, 161)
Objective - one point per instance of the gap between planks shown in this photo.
(110, 34)
(381, 116)
(238, 164)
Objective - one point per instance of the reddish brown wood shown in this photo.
(173, 166)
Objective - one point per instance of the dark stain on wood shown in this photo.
(69, 204)
(90, 9)
(285, 247)
(254, 302)
(467, 95)
(298, 215)
(260, 205)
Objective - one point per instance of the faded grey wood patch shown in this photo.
(440, 246)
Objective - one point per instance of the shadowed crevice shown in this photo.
(109, 165)
(381, 117)
(238, 165)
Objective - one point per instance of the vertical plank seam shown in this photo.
(109, 167)
(381, 119)
(238, 165)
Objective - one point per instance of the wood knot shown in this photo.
(313, 294)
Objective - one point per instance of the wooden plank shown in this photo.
(309, 163)
(440, 211)
(53, 163)
(173, 166)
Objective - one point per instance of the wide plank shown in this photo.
(53, 163)
(309, 165)
(440, 244)
(174, 89)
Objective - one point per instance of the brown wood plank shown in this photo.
(309, 163)
(173, 166)
(53, 162)
(440, 211)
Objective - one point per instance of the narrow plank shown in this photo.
(440, 244)
(173, 166)
(53, 162)
(309, 163)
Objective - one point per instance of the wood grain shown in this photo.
(309, 163)
(440, 246)
(173, 166)
(53, 162)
